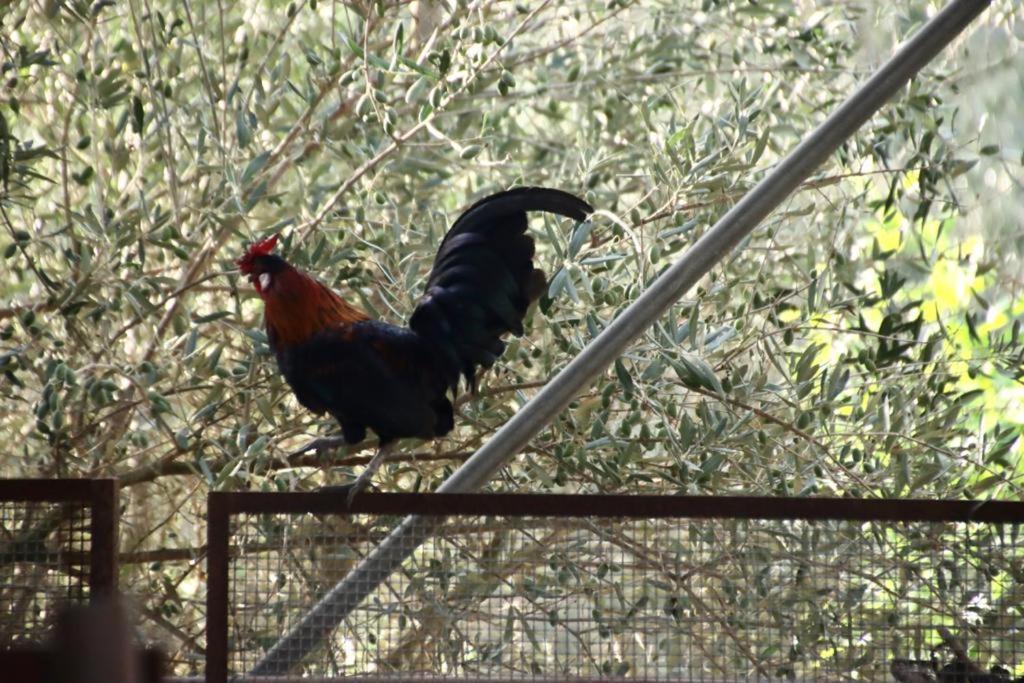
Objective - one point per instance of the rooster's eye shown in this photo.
(264, 281)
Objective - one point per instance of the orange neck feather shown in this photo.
(297, 307)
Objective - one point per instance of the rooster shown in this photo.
(400, 381)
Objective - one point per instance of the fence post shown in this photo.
(103, 532)
(217, 561)
(324, 617)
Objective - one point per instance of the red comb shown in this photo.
(261, 248)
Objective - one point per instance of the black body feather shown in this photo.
(370, 375)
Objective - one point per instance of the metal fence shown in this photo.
(512, 587)
(58, 546)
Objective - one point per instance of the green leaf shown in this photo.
(713, 463)
(558, 283)
(762, 144)
(417, 90)
(210, 317)
(243, 131)
(255, 195)
(579, 236)
(624, 379)
(138, 115)
(694, 372)
(961, 166)
(257, 447)
(806, 368)
(254, 166)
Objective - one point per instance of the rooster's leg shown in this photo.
(371, 468)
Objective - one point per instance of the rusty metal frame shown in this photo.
(100, 496)
(394, 678)
(222, 505)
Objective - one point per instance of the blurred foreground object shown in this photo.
(90, 644)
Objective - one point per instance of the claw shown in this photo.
(363, 480)
(349, 491)
(355, 487)
(361, 483)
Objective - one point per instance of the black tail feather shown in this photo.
(520, 200)
(483, 279)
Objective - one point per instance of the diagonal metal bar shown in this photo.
(316, 625)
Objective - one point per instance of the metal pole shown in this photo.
(324, 617)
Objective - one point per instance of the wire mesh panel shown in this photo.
(56, 548)
(609, 592)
